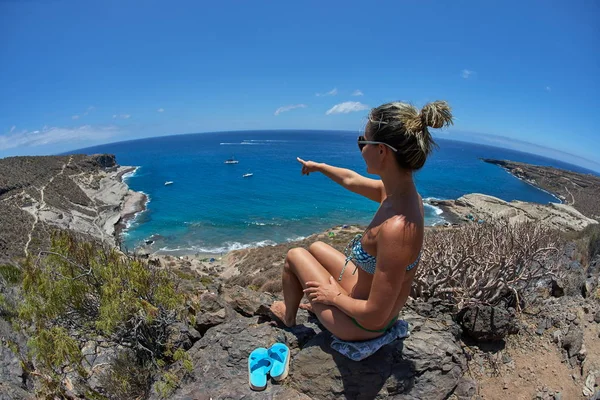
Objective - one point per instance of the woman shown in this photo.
(364, 305)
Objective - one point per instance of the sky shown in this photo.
(518, 74)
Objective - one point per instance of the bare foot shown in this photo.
(278, 309)
(306, 306)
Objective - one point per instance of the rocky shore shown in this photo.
(576, 208)
(573, 188)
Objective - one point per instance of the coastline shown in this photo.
(132, 204)
(576, 189)
(533, 184)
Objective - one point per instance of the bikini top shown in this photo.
(354, 252)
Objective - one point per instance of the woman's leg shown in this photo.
(301, 266)
(334, 261)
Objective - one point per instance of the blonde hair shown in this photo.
(402, 126)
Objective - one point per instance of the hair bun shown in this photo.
(437, 114)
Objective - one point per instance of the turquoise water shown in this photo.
(210, 207)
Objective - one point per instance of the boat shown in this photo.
(248, 175)
(167, 183)
(231, 161)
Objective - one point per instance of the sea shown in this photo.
(210, 207)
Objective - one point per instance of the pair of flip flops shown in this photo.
(274, 361)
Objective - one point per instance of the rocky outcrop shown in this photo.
(80, 193)
(480, 207)
(428, 364)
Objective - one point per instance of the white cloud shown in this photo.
(288, 108)
(161, 110)
(121, 116)
(89, 109)
(548, 88)
(466, 73)
(75, 117)
(55, 135)
(12, 129)
(332, 92)
(347, 107)
(357, 93)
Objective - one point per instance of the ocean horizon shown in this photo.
(210, 207)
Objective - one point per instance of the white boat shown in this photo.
(232, 161)
(248, 175)
(167, 183)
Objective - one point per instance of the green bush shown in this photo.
(126, 379)
(11, 274)
(81, 289)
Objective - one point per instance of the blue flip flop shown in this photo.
(259, 365)
(279, 354)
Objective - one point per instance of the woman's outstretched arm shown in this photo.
(370, 188)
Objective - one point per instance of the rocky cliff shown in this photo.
(80, 193)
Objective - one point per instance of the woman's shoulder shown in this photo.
(400, 227)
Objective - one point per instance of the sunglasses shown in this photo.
(362, 142)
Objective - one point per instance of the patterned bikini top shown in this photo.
(354, 252)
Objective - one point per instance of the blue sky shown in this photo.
(77, 73)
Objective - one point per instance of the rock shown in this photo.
(10, 391)
(429, 364)
(590, 286)
(180, 335)
(572, 342)
(593, 270)
(480, 206)
(571, 280)
(220, 358)
(213, 311)
(597, 317)
(557, 336)
(483, 322)
(14, 381)
(248, 302)
(466, 389)
(412, 371)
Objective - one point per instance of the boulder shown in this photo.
(213, 311)
(248, 302)
(482, 322)
(429, 364)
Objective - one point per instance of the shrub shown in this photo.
(485, 263)
(84, 289)
(126, 379)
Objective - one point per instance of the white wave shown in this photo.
(227, 247)
(265, 141)
(246, 143)
(129, 174)
(427, 199)
(133, 219)
(258, 223)
(437, 210)
(295, 239)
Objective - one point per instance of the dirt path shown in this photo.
(42, 204)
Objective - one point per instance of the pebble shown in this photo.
(571, 316)
(557, 335)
